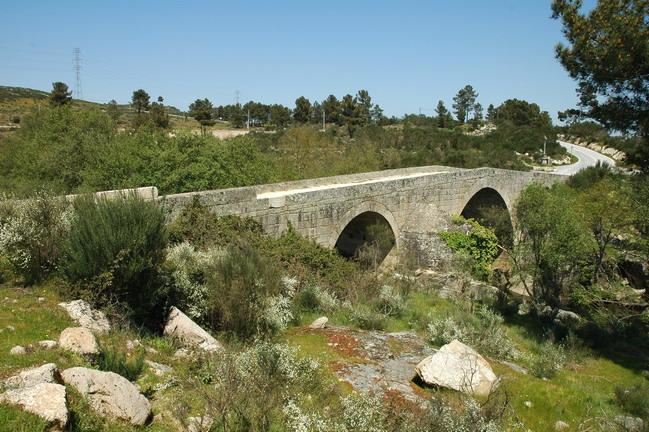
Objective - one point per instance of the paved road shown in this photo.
(586, 156)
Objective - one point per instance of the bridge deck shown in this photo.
(295, 191)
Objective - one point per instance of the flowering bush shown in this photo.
(277, 313)
(32, 232)
(483, 331)
(390, 302)
(186, 267)
(315, 298)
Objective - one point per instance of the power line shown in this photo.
(77, 69)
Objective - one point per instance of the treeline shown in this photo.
(349, 111)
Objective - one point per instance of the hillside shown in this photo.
(16, 102)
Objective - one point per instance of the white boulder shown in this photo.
(87, 317)
(46, 374)
(46, 400)
(17, 350)
(48, 344)
(319, 323)
(181, 327)
(458, 367)
(79, 340)
(109, 394)
(560, 425)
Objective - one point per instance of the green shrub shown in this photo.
(203, 229)
(114, 252)
(477, 242)
(483, 331)
(587, 177)
(32, 232)
(246, 391)
(314, 298)
(367, 318)
(186, 270)
(239, 287)
(304, 257)
(390, 302)
(548, 361)
(633, 400)
(5, 269)
(112, 359)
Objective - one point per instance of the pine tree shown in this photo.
(60, 94)
(443, 116)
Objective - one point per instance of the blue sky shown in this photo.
(407, 54)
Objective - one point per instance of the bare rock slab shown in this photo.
(79, 340)
(181, 327)
(458, 367)
(109, 394)
(46, 400)
(92, 319)
(158, 368)
(46, 374)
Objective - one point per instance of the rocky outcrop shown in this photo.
(79, 340)
(458, 367)
(109, 394)
(87, 317)
(179, 326)
(46, 400)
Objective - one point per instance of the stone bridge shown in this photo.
(416, 204)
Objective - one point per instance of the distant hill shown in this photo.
(14, 93)
(15, 102)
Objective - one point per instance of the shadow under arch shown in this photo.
(488, 207)
(368, 238)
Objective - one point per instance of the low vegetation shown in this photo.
(257, 293)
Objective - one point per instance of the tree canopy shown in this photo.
(140, 101)
(60, 95)
(607, 53)
(464, 103)
(202, 110)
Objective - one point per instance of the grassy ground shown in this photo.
(583, 390)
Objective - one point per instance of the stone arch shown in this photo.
(365, 206)
(488, 206)
(353, 231)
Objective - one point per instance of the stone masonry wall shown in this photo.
(416, 207)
